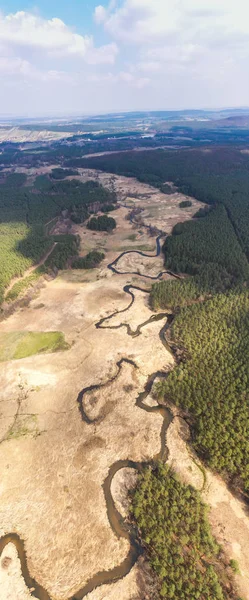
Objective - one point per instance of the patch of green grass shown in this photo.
(20, 344)
(22, 285)
(37, 343)
(234, 566)
(8, 344)
(145, 248)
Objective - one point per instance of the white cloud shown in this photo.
(26, 72)
(100, 14)
(143, 21)
(47, 57)
(123, 77)
(103, 55)
(14, 66)
(184, 42)
(149, 66)
(180, 52)
(28, 31)
(133, 80)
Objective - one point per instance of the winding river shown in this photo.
(117, 522)
(112, 266)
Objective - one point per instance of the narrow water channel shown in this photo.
(113, 266)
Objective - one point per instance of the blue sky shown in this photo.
(76, 13)
(90, 56)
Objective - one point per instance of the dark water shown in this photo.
(113, 266)
(38, 590)
(91, 388)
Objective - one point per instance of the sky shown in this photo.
(62, 57)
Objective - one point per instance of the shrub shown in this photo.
(185, 204)
(234, 565)
(166, 189)
(59, 173)
(108, 208)
(90, 261)
(102, 223)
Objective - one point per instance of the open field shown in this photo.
(17, 134)
(158, 209)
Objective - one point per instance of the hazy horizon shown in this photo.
(77, 115)
(122, 56)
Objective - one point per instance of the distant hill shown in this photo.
(233, 121)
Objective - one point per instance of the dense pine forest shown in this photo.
(102, 223)
(212, 383)
(211, 240)
(174, 528)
